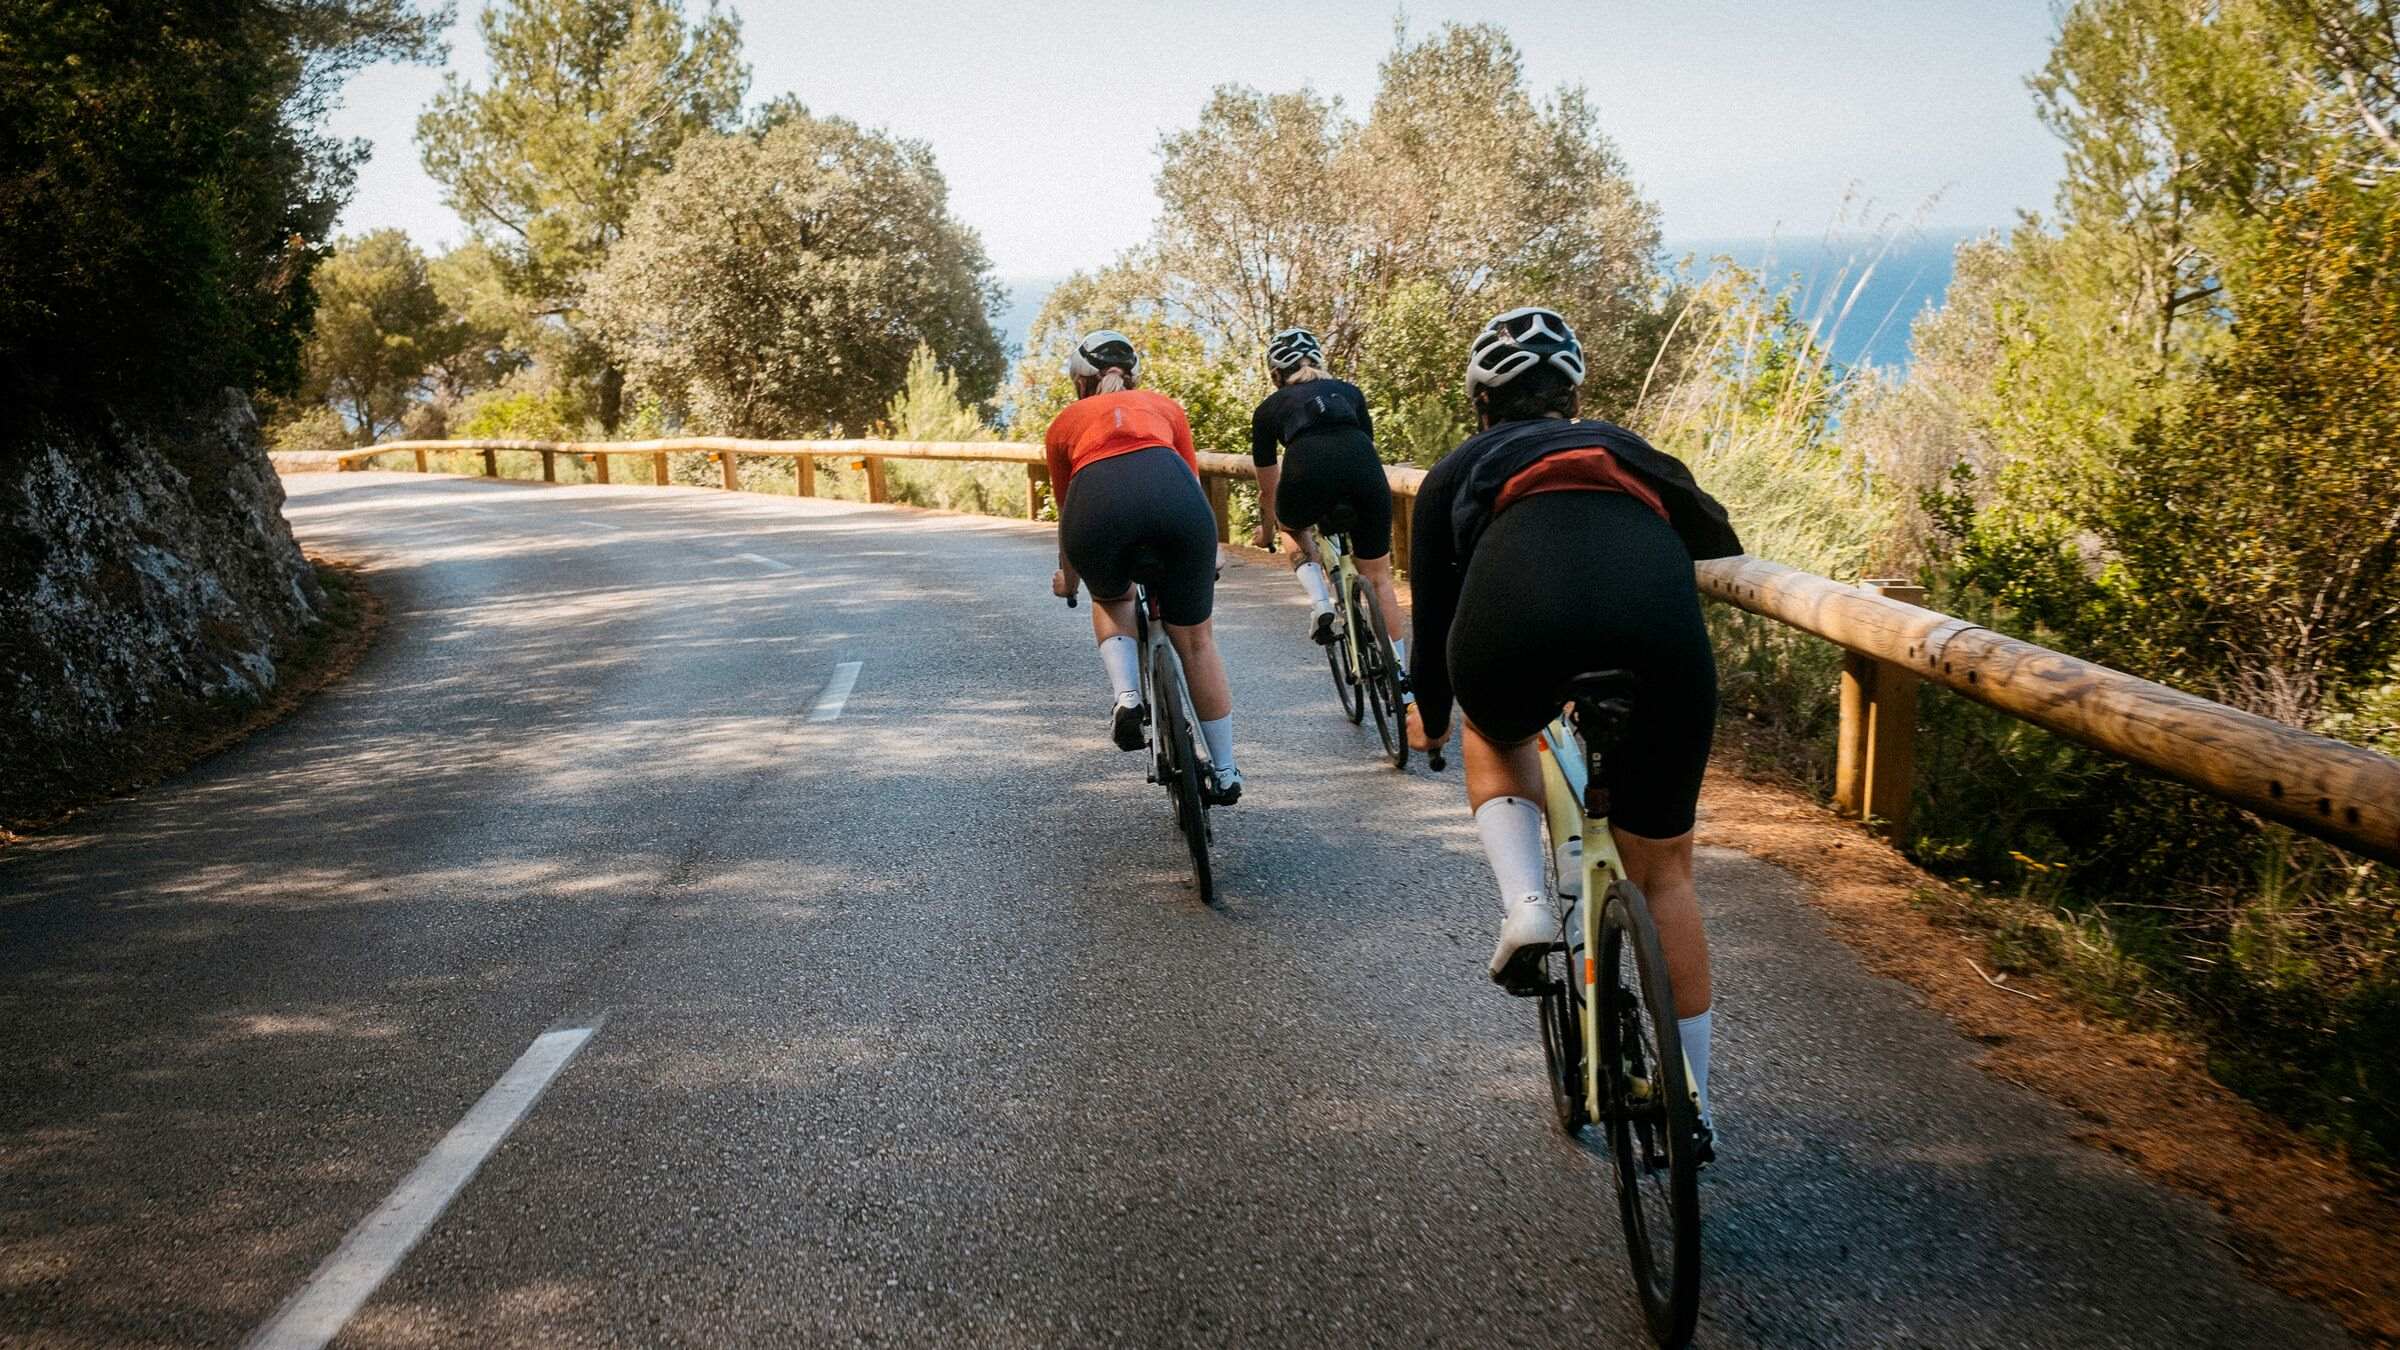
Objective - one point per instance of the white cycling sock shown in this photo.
(1219, 735)
(1512, 841)
(1694, 1031)
(1312, 580)
(1123, 661)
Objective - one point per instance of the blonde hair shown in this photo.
(1303, 373)
(1114, 380)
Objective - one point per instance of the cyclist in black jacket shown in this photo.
(1546, 547)
(1324, 424)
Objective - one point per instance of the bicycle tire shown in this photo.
(1341, 653)
(1175, 734)
(1559, 1013)
(1382, 692)
(1653, 1127)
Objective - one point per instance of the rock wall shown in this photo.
(148, 582)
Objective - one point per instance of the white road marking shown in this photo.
(837, 693)
(769, 563)
(604, 525)
(317, 1311)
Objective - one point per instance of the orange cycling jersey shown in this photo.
(1107, 425)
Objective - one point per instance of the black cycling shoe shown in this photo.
(1125, 727)
(1704, 1148)
(1328, 630)
(1222, 787)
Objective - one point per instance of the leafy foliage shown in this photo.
(776, 283)
(1460, 195)
(166, 191)
(589, 100)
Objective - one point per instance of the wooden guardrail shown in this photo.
(2320, 786)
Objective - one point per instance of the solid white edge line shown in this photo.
(767, 562)
(837, 692)
(319, 1309)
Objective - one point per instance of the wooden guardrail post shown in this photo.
(1404, 529)
(420, 461)
(1037, 478)
(1220, 505)
(877, 489)
(805, 476)
(733, 477)
(1875, 752)
(600, 468)
(549, 466)
(658, 468)
(491, 462)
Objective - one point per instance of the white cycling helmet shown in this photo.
(1287, 350)
(1519, 340)
(1097, 351)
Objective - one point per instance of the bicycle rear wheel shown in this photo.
(1182, 768)
(1382, 688)
(1345, 682)
(1653, 1128)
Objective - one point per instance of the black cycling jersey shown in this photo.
(1310, 408)
(1455, 504)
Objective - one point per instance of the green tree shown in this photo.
(167, 190)
(775, 283)
(1460, 195)
(380, 327)
(588, 101)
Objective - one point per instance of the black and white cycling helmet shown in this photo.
(1287, 350)
(1097, 351)
(1520, 340)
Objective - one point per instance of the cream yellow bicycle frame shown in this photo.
(1562, 782)
(1340, 572)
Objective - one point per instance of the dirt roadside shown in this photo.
(2302, 1219)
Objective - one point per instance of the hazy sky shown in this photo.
(1738, 117)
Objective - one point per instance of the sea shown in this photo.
(1862, 292)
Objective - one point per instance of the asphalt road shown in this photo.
(910, 1030)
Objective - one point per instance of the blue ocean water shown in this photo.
(1883, 284)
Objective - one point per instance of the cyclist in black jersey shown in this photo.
(1547, 547)
(1324, 425)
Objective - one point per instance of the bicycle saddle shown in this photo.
(1342, 519)
(1603, 702)
(1145, 565)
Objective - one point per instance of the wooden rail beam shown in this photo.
(2337, 792)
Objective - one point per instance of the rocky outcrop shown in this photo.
(148, 584)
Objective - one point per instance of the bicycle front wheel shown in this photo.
(1653, 1126)
(1180, 763)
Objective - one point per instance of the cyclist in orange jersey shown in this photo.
(1128, 485)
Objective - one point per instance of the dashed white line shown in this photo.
(769, 563)
(317, 1312)
(837, 692)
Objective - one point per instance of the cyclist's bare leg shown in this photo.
(1112, 618)
(1378, 572)
(1298, 547)
(1203, 669)
(1662, 868)
(1495, 770)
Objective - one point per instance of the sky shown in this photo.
(1740, 118)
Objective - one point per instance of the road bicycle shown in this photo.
(1609, 1033)
(1366, 671)
(1178, 754)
